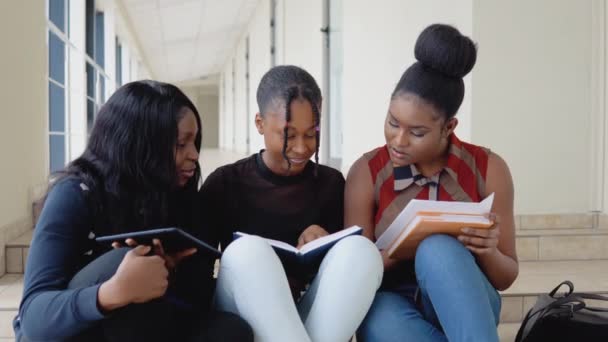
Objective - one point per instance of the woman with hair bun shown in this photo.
(449, 290)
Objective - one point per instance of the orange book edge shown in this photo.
(404, 247)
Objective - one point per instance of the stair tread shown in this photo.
(11, 290)
(560, 232)
(508, 331)
(537, 277)
(25, 239)
(22, 241)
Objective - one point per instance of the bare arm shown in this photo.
(359, 206)
(497, 260)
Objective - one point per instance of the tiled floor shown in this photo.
(11, 288)
(508, 331)
(6, 325)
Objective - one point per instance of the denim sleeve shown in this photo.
(48, 310)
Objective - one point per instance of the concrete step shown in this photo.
(538, 238)
(561, 221)
(11, 290)
(562, 244)
(556, 244)
(540, 277)
(16, 253)
(508, 331)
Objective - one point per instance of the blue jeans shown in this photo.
(456, 302)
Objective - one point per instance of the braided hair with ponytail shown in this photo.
(283, 84)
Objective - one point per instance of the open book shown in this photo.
(311, 254)
(421, 218)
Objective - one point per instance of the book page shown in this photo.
(415, 206)
(328, 238)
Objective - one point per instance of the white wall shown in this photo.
(23, 117)
(302, 42)
(532, 98)
(227, 117)
(206, 101)
(376, 53)
(207, 105)
(241, 115)
(259, 63)
(221, 111)
(302, 45)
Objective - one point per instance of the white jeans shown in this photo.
(252, 283)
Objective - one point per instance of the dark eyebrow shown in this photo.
(410, 127)
(392, 116)
(418, 127)
(186, 135)
(308, 129)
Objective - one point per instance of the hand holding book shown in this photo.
(164, 241)
(171, 259)
(307, 257)
(421, 218)
(482, 241)
(311, 233)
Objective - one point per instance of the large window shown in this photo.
(57, 12)
(80, 47)
(95, 50)
(118, 61)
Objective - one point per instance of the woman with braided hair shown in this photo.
(279, 193)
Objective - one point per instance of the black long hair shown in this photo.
(284, 84)
(444, 56)
(129, 161)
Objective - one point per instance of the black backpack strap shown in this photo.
(565, 282)
(592, 296)
(562, 305)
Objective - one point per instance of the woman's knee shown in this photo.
(440, 248)
(100, 269)
(359, 254)
(358, 250)
(244, 251)
(441, 256)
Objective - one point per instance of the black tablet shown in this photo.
(173, 240)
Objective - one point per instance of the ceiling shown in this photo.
(188, 40)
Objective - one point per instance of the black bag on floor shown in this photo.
(565, 318)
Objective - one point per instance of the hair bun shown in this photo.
(444, 49)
